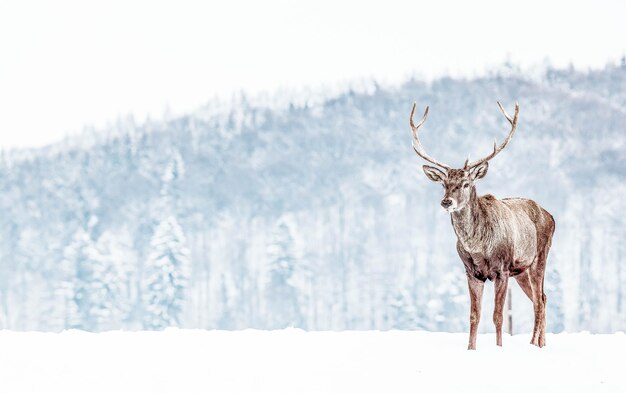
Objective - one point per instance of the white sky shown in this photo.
(68, 64)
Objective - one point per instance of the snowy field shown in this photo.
(296, 361)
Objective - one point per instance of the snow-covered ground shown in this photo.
(296, 361)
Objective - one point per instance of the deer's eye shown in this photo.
(465, 185)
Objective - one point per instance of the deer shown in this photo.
(496, 238)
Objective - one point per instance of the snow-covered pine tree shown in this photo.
(166, 276)
(95, 304)
(282, 297)
(64, 312)
(167, 269)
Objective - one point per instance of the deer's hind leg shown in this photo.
(523, 279)
(536, 278)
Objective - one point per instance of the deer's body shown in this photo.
(497, 239)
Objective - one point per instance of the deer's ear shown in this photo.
(480, 171)
(434, 174)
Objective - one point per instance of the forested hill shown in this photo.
(315, 216)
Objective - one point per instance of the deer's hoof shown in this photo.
(535, 341)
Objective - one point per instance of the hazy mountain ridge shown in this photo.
(329, 203)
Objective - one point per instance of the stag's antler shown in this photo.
(498, 149)
(417, 145)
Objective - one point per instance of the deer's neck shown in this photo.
(467, 223)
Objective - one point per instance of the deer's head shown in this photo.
(458, 184)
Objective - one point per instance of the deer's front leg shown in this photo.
(476, 296)
(500, 286)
